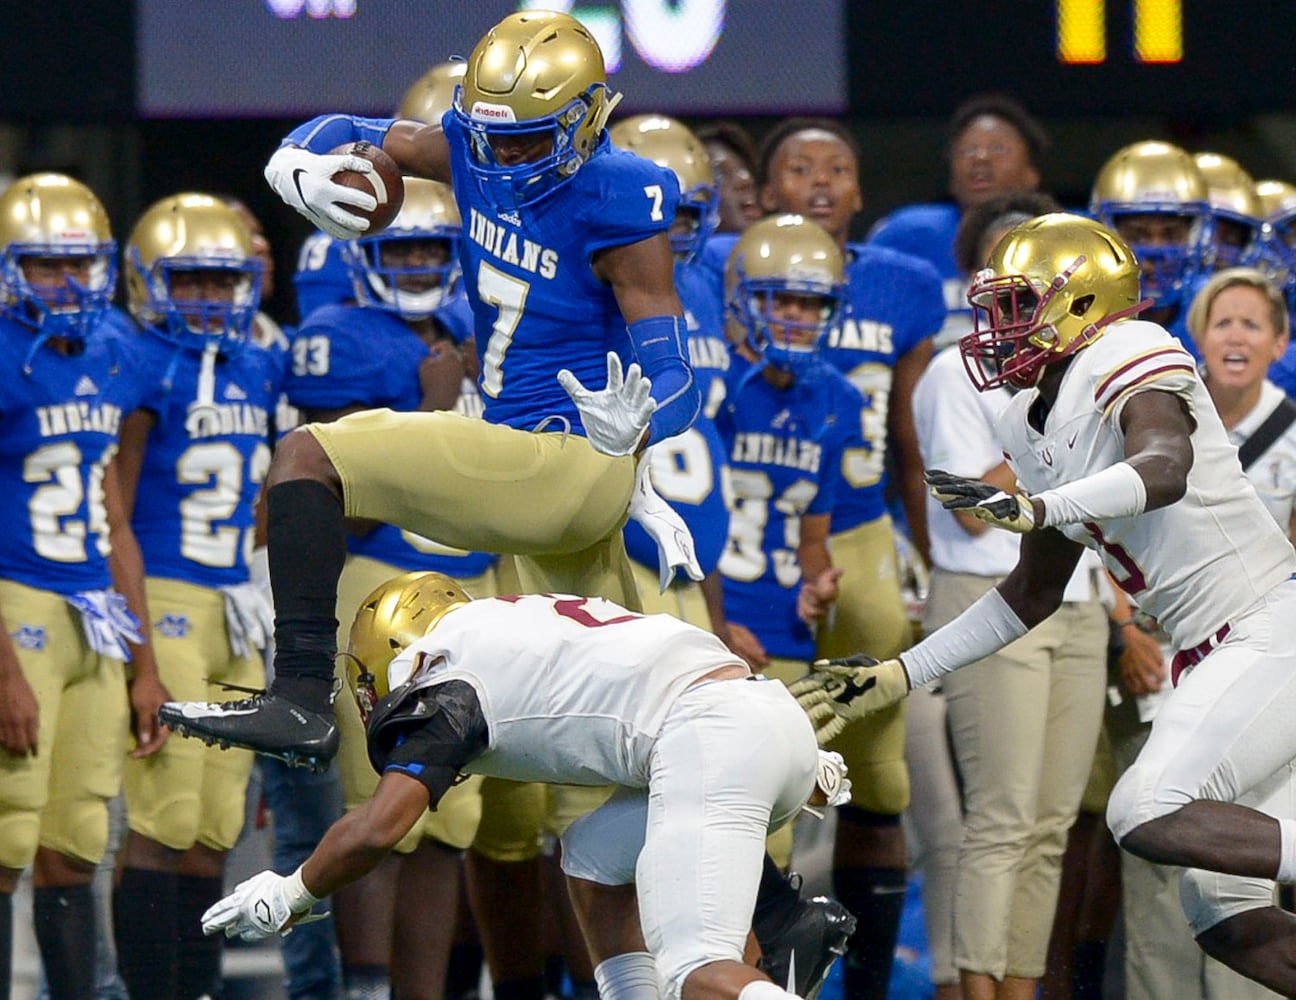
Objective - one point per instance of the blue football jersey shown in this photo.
(927, 232)
(194, 506)
(686, 468)
(537, 305)
(321, 278)
(713, 258)
(345, 356)
(893, 304)
(61, 420)
(785, 450)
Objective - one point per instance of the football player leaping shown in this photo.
(568, 267)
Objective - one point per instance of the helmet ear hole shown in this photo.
(1081, 305)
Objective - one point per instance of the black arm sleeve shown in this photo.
(436, 731)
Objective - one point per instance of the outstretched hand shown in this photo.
(984, 501)
(837, 692)
(258, 907)
(616, 417)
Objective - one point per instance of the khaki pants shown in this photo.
(1024, 724)
(188, 793)
(550, 499)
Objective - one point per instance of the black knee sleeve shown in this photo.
(64, 917)
(199, 959)
(144, 925)
(876, 897)
(777, 903)
(6, 943)
(306, 535)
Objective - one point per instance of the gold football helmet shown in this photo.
(1239, 219)
(535, 84)
(778, 258)
(179, 236)
(58, 270)
(1157, 179)
(1051, 287)
(411, 268)
(1278, 255)
(393, 617)
(1275, 197)
(432, 94)
(670, 144)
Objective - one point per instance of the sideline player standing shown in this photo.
(1118, 447)
(568, 266)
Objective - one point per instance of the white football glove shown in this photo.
(261, 906)
(832, 787)
(615, 418)
(665, 527)
(837, 692)
(985, 502)
(305, 181)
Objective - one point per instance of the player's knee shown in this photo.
(1137, 799)
(885, 791)
(19, 832)
(77, 829)
(1210, 899)
(300, 456)
(511, 825)
(175, 824)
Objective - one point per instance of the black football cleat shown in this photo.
(802, 955)
(266, 723)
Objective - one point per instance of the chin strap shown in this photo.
(203, 419)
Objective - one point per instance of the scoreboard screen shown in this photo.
(278, 58)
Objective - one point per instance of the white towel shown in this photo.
(109, 624)
(249, 617)
(665, 527)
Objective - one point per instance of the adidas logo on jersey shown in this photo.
(232, 391)
(512, 217)
(85, 387)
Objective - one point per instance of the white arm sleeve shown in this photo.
(985, 627)
(1117, 491)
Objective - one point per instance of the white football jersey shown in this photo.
(574, 689)
(1195, 564)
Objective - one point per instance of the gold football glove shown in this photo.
(1010, 511)
(837, 692)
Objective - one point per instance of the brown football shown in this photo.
(385, 183)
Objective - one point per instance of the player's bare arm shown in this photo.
(147, 692)
(903, 435)
(642, 276)
(419, 150)
(818, 575)
(1157, 428)
(360, 840)
(1033, 590)
(19, 711)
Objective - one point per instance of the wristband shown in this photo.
(296, 895)
(659, 348)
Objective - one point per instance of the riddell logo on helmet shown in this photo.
(493, 112)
